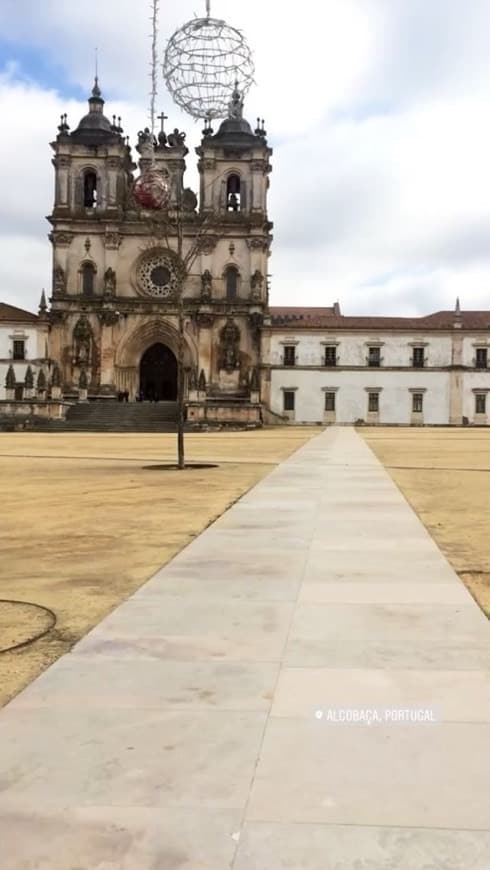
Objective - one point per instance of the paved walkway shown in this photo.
(192, 729)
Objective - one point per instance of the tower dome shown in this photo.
(94, 126)
(235, 131)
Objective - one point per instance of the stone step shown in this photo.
(55, 426)
(116, 417)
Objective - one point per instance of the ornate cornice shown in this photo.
(112, 240)
(61, 238)
(258, 243)
(62, 161)
(207, 164)
(57, 317)
(108, 317)
(208, 244)
(204, 319)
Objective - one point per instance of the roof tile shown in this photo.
(11, 314)
(325, 318)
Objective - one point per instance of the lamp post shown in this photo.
(180, 348)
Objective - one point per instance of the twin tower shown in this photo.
(118, 268)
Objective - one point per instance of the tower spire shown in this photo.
(43, 306)
(96, 92)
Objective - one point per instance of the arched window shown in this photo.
(88, 279)
(233, 193)
(90, 189)
(232, 276)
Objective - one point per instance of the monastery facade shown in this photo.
(120, 271)
(133, 288)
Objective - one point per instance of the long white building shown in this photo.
(323, 367)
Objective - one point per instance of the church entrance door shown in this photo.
(158, 374)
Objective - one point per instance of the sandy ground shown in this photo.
(84, 524)
(445, 475)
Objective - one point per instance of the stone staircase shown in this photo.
(111, 416)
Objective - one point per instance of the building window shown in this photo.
(231, 278)
(88, 279)
(418, 357)
(19, 349)
(481, 403)
(373, 403)
(233, 193)
(481, 361)
(330, 401)
(374, 357)
(417, 403)
(19, 393)
(288, 400)
(90, 189)
(290, 355)
(331, 356)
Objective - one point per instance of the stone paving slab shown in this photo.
(190, 729)
(269, 846)
(433, 776)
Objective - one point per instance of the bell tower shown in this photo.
(234, 167)
(93, 172)
(91, 165)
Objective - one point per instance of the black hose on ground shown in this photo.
(41, 634)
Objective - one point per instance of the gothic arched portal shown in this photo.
(158, 374)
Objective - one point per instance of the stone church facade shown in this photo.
(119, 270)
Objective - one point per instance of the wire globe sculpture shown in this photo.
(151, 190)
(205, 61)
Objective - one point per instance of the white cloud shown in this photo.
(377, 110)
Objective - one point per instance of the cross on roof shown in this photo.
(163, 117)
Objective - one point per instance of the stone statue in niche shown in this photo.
(110, 282)
(244, 373)
(192, 378)
(256, 324)
(255, 381)
(230, 346)
(82, 343)
(256, 284)
(206, 286)
(59, 281)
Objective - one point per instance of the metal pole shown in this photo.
(154, 63)
(180, 354)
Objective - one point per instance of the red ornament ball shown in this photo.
(151, 190)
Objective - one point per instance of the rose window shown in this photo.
(156, 276)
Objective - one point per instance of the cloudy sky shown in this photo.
(378, 112)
